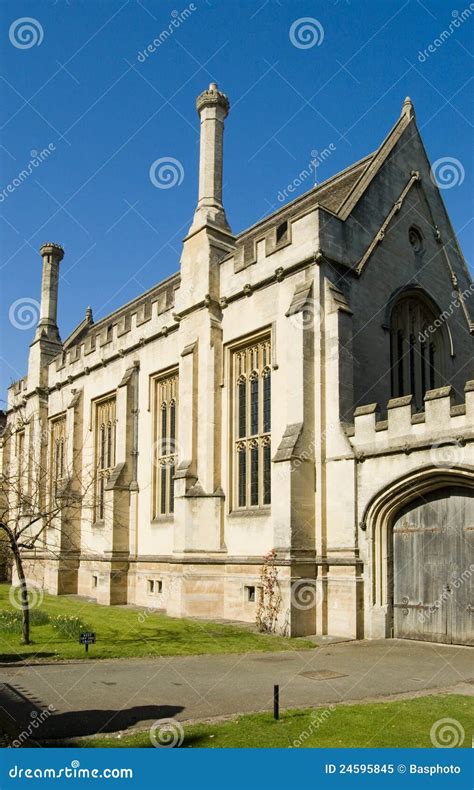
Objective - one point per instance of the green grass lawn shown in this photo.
(123, 632)
(403, 723)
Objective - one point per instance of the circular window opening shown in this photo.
(416, 239)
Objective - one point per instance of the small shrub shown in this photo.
(38, 617)
(10, 620)
(269, 604)
(69, 625)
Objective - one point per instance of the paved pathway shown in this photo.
(112, 695)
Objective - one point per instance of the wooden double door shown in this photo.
(432, 568)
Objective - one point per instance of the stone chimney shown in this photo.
(47, 328)
(47, 342)
(213, 108)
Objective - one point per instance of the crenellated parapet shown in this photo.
(406, 430)
(119, 333)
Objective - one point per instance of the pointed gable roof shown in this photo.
(377, 160)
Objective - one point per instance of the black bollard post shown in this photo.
(276, 702)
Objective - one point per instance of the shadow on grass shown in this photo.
(197, 741)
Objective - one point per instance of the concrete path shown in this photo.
(114, 695)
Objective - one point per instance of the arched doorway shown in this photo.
(432, 567)
(450, 492)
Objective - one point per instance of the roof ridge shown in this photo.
(379, 157)
(314, 189)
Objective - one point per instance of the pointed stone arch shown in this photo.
(383, 508)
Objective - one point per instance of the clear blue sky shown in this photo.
(107, 117)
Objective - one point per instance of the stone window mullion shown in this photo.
(251, 425)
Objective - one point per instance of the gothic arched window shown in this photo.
(252, 425)
(165, 455)
(416, 348)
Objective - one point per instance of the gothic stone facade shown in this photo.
(305, 386)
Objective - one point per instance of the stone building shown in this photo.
(305, 386)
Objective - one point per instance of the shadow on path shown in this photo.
(26, 720)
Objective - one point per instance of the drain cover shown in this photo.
(323, 674)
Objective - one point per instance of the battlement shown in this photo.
(18, 387)
(441, 419)
(111, 332)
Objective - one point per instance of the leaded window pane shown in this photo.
(166, 393)
(163, 490)
(267, 402)
(416, 343)
(242, 456)
(105, 451)
(252, 423)
(266, 475)
(254, 406)
(242, 408)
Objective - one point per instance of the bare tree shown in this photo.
(41, 503)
